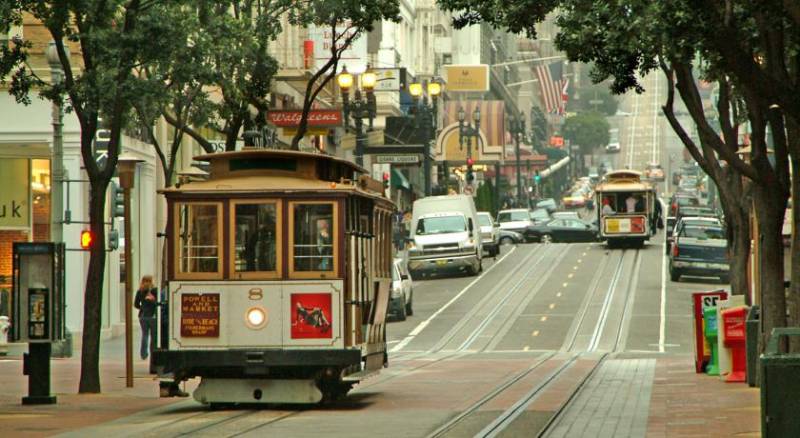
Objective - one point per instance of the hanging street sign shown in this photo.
(397, 159)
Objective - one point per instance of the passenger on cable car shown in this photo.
(631, 203)
(607, 208)
(324, 244)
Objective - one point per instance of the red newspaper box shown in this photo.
(733, 326)
(701, 300)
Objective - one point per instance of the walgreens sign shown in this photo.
(316, 118)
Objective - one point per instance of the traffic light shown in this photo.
(87, 238)
(470, 172)
(536, 178)
(117, 200)
(113, 239)
(386, 179)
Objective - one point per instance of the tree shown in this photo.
(750, 45)
(112, 41)
(588, 130)
(348, 20)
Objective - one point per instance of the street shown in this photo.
(550, 339)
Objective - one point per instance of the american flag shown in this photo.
(553, 86)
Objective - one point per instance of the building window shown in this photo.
(199, 237)
(256, 239)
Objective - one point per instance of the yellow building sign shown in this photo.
(467, 77)
(15, 196)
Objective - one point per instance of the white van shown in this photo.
(445, 233)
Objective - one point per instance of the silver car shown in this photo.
(490, 233)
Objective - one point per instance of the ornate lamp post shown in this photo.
(425, 116)
(359, 108)
(466, 132)
(517, 129)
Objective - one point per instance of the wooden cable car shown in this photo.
(279, 275)
(627, 208)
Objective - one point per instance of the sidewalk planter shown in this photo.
(710, 330)
(780, 386)
(751, 342)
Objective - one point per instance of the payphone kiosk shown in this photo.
(38, 311)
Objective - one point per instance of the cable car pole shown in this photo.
(127, 169)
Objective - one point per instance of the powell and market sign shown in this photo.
(15, 195)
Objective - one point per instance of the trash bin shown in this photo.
(751, 345)
(780, 385)
(711, 333)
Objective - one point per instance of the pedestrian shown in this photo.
(147, 301)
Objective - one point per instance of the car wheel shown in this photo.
(410, 304)
(506, 241)
(674, 275)
(401, 313)
(546, 238)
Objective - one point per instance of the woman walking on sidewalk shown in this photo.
(147, 302)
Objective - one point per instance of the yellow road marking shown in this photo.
(535, 333)
(558, 294)
(580, 261)
(527, 347)
(552, 306)
(575, 268)
(564, 285)
(569, 276)
(543, 319)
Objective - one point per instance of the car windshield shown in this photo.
(683, 201)
(540, 213)
(441, 225)
(484, 220)
(510, 216)
(701, 232)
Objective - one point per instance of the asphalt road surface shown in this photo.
(535, 345)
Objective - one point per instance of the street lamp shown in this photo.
(466, 132)
(359, 108)
(517, 129)
(126, 168)
(425, 116)
(57, 175)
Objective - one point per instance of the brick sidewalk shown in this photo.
(684, 403)
(74, 411)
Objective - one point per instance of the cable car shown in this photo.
(279, 274)
(627, 210)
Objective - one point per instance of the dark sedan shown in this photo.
(563, 230)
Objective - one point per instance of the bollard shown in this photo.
(711, 333)
(752, 341)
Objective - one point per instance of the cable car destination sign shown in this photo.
(200, 315)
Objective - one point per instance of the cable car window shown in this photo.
(199, 237)
(256, 237)
(313, 237)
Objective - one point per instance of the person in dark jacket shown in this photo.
(147, 302)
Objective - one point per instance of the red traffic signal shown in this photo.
(87, 238)
(470, 162)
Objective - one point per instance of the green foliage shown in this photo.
(589, 130)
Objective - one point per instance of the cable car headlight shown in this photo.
(255, 317)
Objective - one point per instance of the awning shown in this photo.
(399, 180)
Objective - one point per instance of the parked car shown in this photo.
(564, 230)
(685, 212)
(574, 200)
(613, 147)
(490, 233)
(699, 249)
(515, 219)
(567, 215)
(547, 203)
(508, 237)
(539, 215)
(594, 175)
(401, 298)
(682, 200)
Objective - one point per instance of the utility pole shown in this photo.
(127, 176)
(57, 163)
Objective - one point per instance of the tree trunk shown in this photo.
(770, 207)
(93, 296)
(793, 300)
(736, 206)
